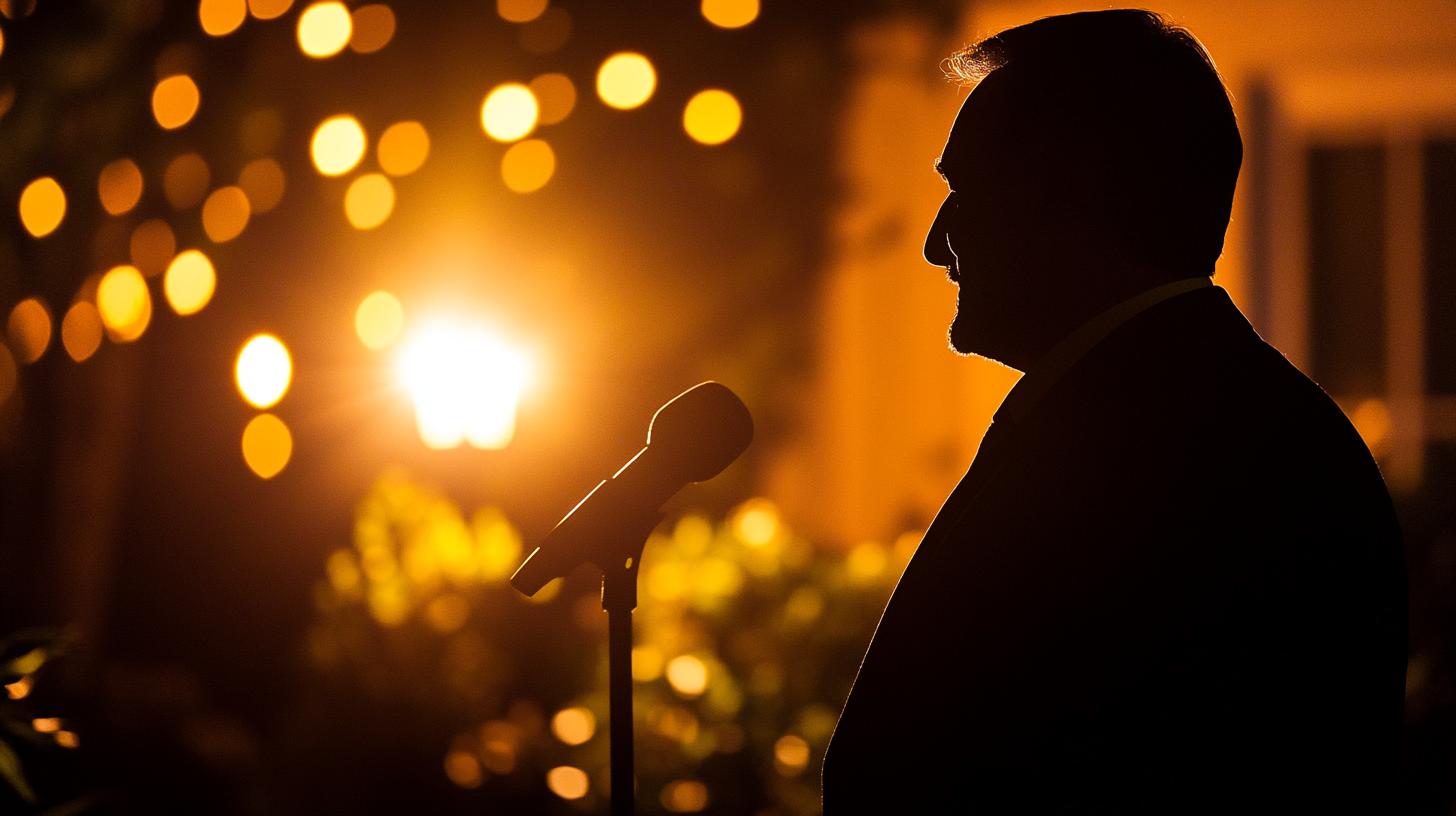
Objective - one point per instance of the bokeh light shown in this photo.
(574, 726)
(225, 214)
(263, 371)
(684, 796)
(29, 329)
(757, 522)
(520, 11)
(556, 96)
(152, 245)
(119, 186)
(42, 206)
(547, 33)
(463, 769)
(338, 145)
(267, 445)
(379, 320)
(124, 302)
(263, 182)
(269, 9)
(221, 17)
(261, 131)
(626, 80)
(465, 384)
(687, 675)
(568, 782)
(373, 28)
(185, 181)
(324, 29)
(190, 282)
(730, 13)
(175, 100)
(403, 148)
(369, 201)
(528, 165)
(712, 117)
(509, 112)
(791, 755)
(81, 331)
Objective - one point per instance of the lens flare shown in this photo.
(465, 383)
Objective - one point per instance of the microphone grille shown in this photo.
(702, 430)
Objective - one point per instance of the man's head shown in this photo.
(1095, 158)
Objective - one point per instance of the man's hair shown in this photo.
(1138, 100)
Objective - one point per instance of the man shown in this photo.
(1172, 579)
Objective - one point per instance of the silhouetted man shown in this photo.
(1172, 579)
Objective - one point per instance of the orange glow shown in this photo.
(712, 117)
(757, 522)
(556, 95)
(568, 782)
(225, 214)
(403, 148)
(369, 201)
(527, 166)
(791, 755)
(646, 664)
(373, 28)
(263, 371)
(1371, 419)
(152, 246)
(626, 80)
(20, 689)
(324, 29)
(867, 562)
(447, 613)
(220, 18)
(124, 302)
(338, 145)
(267, 445)
(269, 9)
(465, 384)
(42, 206)
(185, 180)
(261, 131)
(730, 13)
(81, 331)
(687, 675)
(46, 725)
(574, 726)
(29, 329)
(379, 320)
(684, 796)
(175, 100)
(463, 769)
(519, 11)
(67, 739)
(190, 282)
(509, 112)
(263, 182)
(119, 186)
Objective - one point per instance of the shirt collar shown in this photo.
(1040, 377)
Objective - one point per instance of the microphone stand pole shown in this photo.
(619, 598)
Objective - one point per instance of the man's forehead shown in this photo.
(981, 119)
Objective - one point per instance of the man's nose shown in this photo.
(937, 248)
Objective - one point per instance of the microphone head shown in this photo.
(701, 431)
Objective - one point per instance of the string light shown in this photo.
(263, 371)
(626, 80)
(119, 186)
(712, 117)
(267, 445)
(42, 206)
(324, 29)
(124, 302)
(528, 165)
(190, 282)
(175, 100)
(338, 145)
(509, 112)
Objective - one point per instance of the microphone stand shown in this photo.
(619, 598)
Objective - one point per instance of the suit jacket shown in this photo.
(1175, 583)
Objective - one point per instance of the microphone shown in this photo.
(691, 439)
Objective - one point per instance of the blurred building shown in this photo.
(1341, 250)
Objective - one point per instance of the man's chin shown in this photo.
(967, 337)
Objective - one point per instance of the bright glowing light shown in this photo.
(20, 689)
(42, 206)
(124, 303)
(509, 112)
(263, 371)
(324, 29)
(684, 796)
(185, 180)
(465, 384)
(757, 522)
(225, 214)
(403, 148)
(373, 28)
(378, 320)
(221, 17)
(190, 282)
(646, 664)
(46, 725)
(574, 726)
(338, 145)
(1371, 419)
(730, 13)
(687, 675)
(519, 11)
(263, 182)
(556, 95)
(269, 9)
(175, 100)
(791, 755)
(712, 117)
(267, 445)
(29, 329)
(568, 782)
(528, 165)
(67, 739)
(152, 246)
(866, 562)
(626, 80)
(81, 331)
(369, 201)
(119, 186)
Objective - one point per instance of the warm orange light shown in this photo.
(791, 755)
(119, 186)
(463, 769)
(29, 329)
(324, 29)
(263, 371)
(373, 28)
(225, 214)
(684, 796)
(379, 320)
(687, 675)
(81, 331)
(626, 80)
(1371, 419)
(261, 131)
(267, 445)
(465, 384)
(403, 148)
(519, 11)
(527, 166)
(175, 100)
(263, 182)
(42, 206)
(221, 17)
(646, 663)
(46, 725)
(269, 9)
(568, 782)
(338, 145)
(730, 13)
(574, 726)
(712, 117)
(556, 95)
(190, 282)
(124, 302)
(185, 180)
(509, 112)
(152, 246)
(369, 201)
(757, 522)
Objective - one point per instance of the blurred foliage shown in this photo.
(22, 656)
(423, 656)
